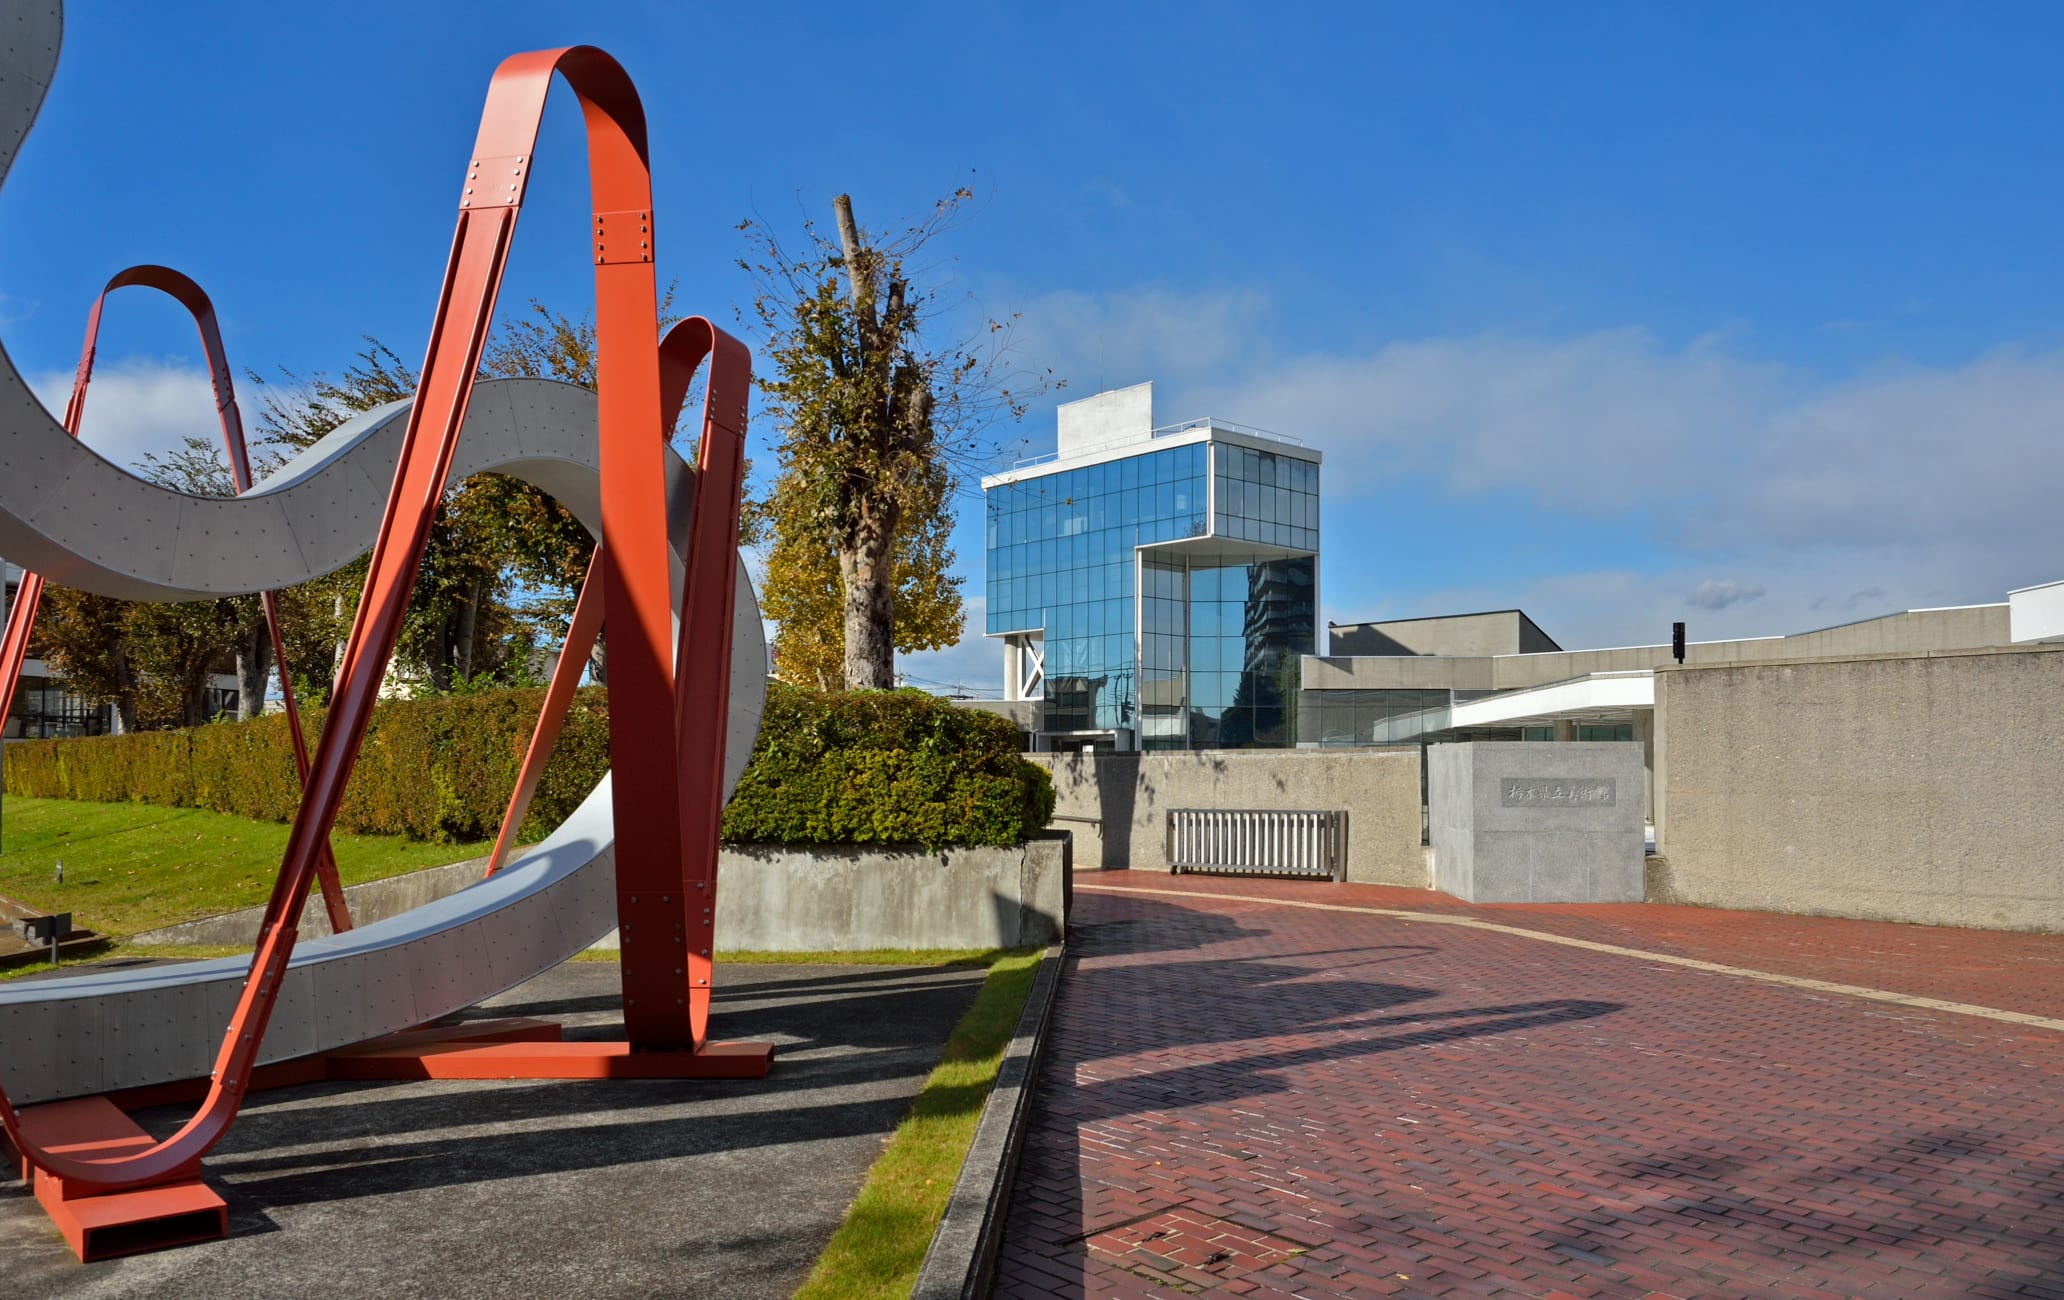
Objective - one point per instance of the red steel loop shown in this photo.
(181, 288)
(643, 749)
(702, 685)
(566, 675)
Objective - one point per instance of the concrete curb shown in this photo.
(961, 1264)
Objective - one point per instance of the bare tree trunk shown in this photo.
(194, 696)
(858, 283)
(253, 664)
(343, 643)
(441, 656)
(868, 569)
(462, 642)
(867, 566)
(598, 659)
(125, 701)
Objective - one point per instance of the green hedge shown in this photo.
(438, 769)
(870, 767)
(885, 767)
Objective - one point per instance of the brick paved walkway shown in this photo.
(1242, 1098)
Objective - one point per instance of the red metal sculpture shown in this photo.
(21, 620)
(668, 694)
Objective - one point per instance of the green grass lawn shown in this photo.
(131, 867)
(878, 1250)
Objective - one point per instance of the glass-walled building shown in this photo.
(1155, 587)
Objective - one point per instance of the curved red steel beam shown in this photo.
(643, 747)
(188, 294)
(720, 475)
(181, 288)
(703, 682)
(566, 675)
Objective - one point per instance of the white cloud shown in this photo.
(1719, 593)
(1568, 420)
(1901, 487)
(136, 406)
(1101, 341)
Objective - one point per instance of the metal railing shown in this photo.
(1213, 422)
(1164, 431)
(1258, 842)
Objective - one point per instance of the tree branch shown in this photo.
(859, 275)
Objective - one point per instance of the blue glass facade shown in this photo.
(1061, 559)
(1220, 649)
(1263, 497)
(1154, 617)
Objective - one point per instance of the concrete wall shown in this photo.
(1914, 631)
(1926, 788)
(1023, 714)
(2037, 613)
(1498, 632)
(376, 900)
(1102, 419)
(773, 898)
(1537, 821)
(778, 898)
(1117, 804)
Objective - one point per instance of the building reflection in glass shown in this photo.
(1155, 587)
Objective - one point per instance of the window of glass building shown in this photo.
(1264, 497)
(1212, 660)
(1605, 731)
(1060, 560)
(46, 712)
(1251, 621)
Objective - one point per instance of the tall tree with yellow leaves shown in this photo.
(874, 429)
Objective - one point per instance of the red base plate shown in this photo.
(132, 1223)
(552, 1061)
(105, 1225)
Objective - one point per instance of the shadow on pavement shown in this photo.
(1231, 1027)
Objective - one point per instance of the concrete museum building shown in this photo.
(1156, 588)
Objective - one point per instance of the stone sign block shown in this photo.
(1537, 821)
(1556, 792)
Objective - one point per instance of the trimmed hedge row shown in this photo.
(870, 767)
(885, 767)
(437, 769)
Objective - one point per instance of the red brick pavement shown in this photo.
(1991, 968)
(1254, 1100)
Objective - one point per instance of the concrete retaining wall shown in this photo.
(1923, 787)
(821, 898)
(774, 898)
(376, 900)
(1537, 821)
(1117, 804)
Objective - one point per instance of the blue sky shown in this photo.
(1745, 315)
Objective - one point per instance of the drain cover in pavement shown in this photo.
(1189, 1250)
